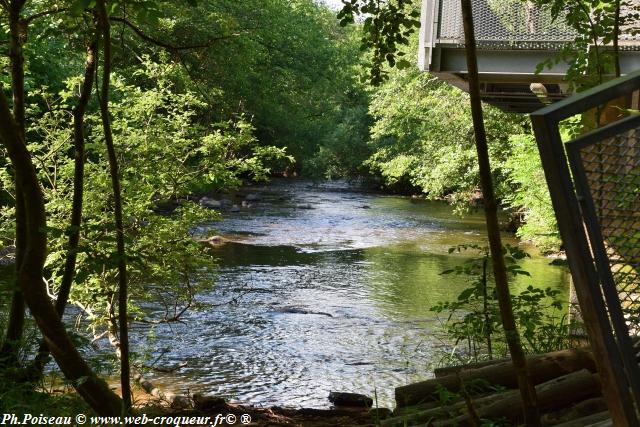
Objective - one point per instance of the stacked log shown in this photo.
(543, 368)
(566, 381)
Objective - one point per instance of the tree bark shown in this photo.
(616, 39)
(555, 393)
(531, 414)
(589, 420)
(32, 234)
(105, 28)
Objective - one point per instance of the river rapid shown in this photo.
(332, 290)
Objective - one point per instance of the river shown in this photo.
(333, 290)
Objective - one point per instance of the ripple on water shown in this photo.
(375, 271)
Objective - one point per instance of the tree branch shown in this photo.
(35, 16)
(170, 46)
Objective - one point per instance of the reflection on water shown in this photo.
(335, 297)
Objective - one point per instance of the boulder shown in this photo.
(179, 401)
(350, 399)
(214, 240)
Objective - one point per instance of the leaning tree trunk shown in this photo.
(530, 409)
(125, 381)
(76, 206)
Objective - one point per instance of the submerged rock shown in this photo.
(297, 310)
(214, 240)
(558, 262)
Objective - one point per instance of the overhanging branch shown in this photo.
(170, 46)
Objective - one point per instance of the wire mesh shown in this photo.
(512, 24)
(612, 172)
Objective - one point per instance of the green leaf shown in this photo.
(403, 63)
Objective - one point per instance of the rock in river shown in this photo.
(210, 203)
(297, 310)
(350, 399)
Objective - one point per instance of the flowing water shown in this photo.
(333, 290)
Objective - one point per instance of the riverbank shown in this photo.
(233, 414)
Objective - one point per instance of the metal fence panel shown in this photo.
(598, 211)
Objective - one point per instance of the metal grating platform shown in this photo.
(510, 24)
(513, 37)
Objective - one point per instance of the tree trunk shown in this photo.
(555, 393)
(76, 209)
(531, 415)
(616, 39)
(589, 420)
(125, 382)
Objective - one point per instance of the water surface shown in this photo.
(333, 290)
